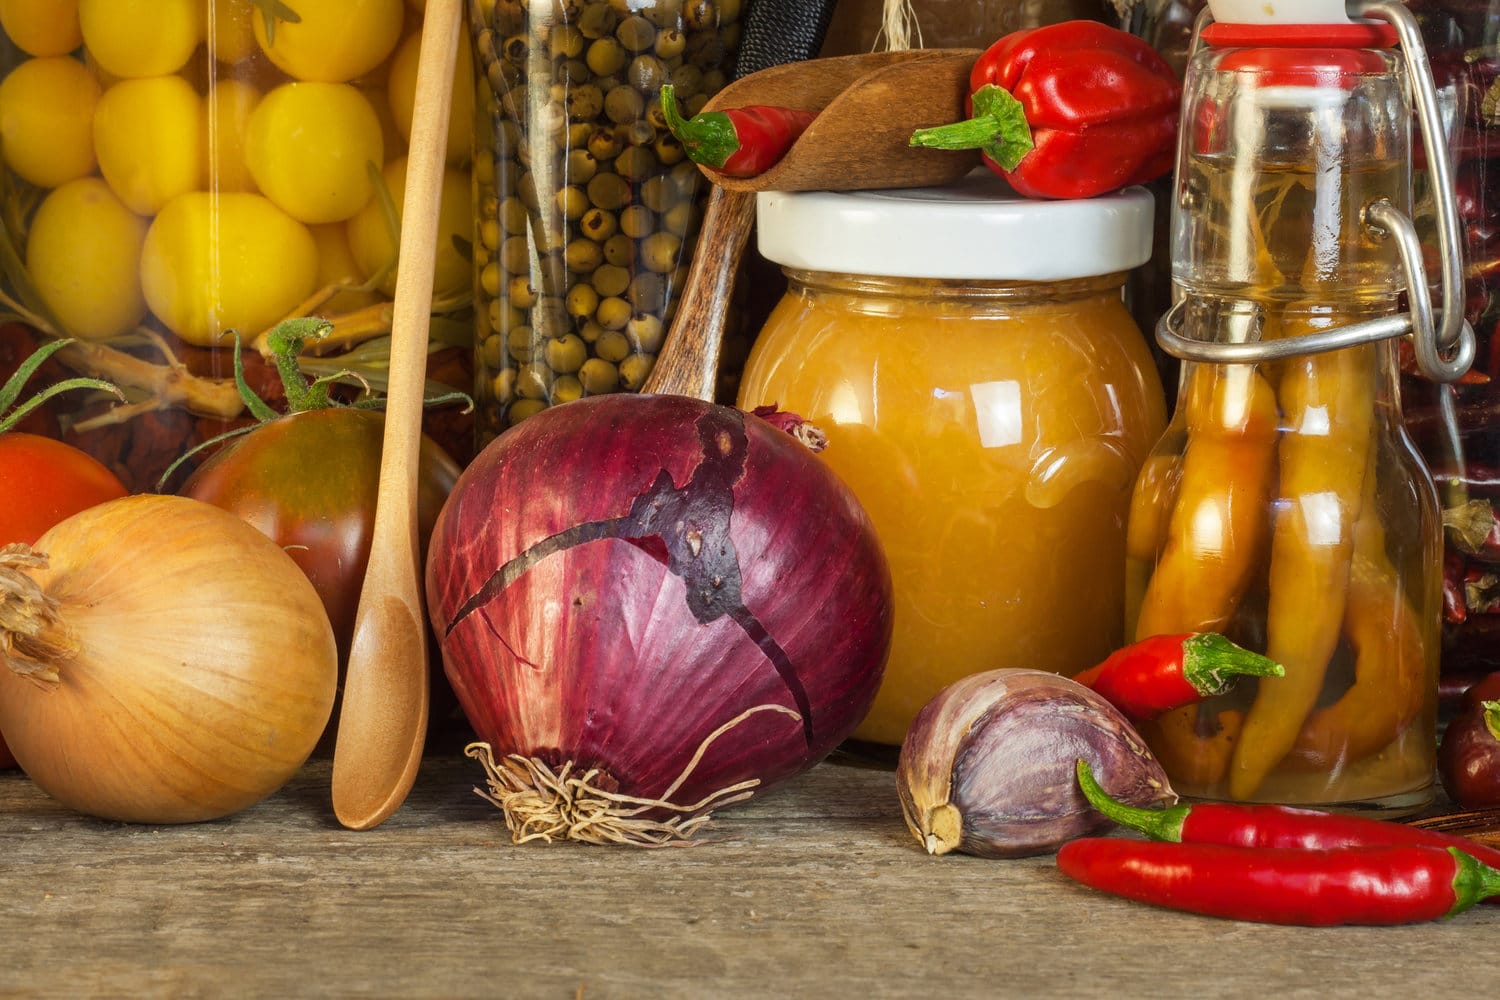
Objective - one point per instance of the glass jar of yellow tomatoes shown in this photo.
(989, 399)
(179, 170)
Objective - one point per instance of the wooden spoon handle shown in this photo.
(689, 363)
(383, 722)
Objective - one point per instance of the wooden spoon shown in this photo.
(383, 722)
(868, 106)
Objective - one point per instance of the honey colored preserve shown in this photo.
(993, 431)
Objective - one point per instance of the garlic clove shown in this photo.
(988, 766)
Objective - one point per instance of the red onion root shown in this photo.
(540, 803)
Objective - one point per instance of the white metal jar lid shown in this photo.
(976, 229)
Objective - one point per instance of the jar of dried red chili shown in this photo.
(988, 397)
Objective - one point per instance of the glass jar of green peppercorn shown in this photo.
(587, 206)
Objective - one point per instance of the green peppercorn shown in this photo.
(596, 20)
(613, 313)
(657, 194)
(515, 255)
(619, 250)
(647, 292)
(581, 166)
(581, 301)
(533, 380)
(634, 371)
(583, 256)
(659, 252)
(598, 225)
(610, 279)
(623, 104)
(504, 316)
(664, 13)
(584, 101)
(681, 219)
(612, 346)
(636, 221)
(566, 389)
(572, 202)
(519, 343)
(492, 351)
(668, 149)
(489, 234)
(565, 354)
(647, 73)
(636, 163)
(646, 331)
(489, 278)
(638, 133)
(599, 376)
(606, 57)
(670, 43)
(523, 409)
(636, 33)
(503, 385)
(605, 144)
(566, 42)
(687, 81)
(610, 192)
(590, 331)
(520, 292)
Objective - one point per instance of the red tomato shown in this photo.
(308, 481)
(43, 482)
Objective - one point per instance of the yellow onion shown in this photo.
(161, 661)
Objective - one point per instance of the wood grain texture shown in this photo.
(817, 890)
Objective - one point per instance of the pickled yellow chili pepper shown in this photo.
(1390, 664)
(1151, 504)
(1194, 744)
(1327, 401)
(1216, 535)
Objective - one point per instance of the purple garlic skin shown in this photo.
(988, 766)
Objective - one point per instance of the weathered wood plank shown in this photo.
(815, 890)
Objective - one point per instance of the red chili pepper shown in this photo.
(1155, 675)
(1069, 110)
(1355, 885)
(738, 142)
(1270, 827)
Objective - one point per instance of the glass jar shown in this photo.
(1286, 507)
(179, 169)
(588, 207)
(988, 398)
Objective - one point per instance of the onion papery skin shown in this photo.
(206, 666)
(591, 654)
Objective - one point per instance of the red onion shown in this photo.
(650, 606)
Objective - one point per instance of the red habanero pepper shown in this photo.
(1353, 885)
(738, 142)
(1155, 675)
(1069, 110)
(1270, 827)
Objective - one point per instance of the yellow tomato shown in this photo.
(83, 254)
(309, 147)
(213, 263)
(402, 91)
(226, 117)
(47, 120)
(231, 35)
(148, 134)
(336, 266)
(335, 41)
(374, 245)
(131, 38)
(42, 27)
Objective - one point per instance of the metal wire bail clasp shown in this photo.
(1442, 340)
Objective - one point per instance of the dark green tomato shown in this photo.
(308, 482)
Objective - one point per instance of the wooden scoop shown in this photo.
(383, 722)
(868, 106)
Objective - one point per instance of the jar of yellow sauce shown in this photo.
(989, 399)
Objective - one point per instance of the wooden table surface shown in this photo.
(815, 890)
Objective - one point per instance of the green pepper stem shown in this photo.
(1158, 824)
(1491, 717)
(999, 129)
(1475, 881)
(709, 138)
(1210, 663)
